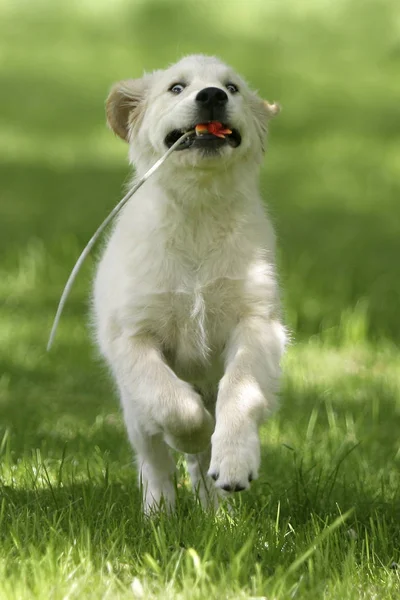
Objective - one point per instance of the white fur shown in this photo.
(185, 297)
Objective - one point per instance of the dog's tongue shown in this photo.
(216, 128)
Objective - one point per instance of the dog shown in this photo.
(186, 299)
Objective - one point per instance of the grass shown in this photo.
(322, 520)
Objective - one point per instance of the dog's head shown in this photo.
(151, 113)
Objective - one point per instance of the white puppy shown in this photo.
(185, 298)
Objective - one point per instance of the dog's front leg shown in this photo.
(246, 395)
(159, 409)
(156, 399)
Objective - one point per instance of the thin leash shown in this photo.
(85, 252)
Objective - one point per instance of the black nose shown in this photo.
(211, 97)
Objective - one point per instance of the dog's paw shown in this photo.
(234, 462)
(188, 425)
(157, 496)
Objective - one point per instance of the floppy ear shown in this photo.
(125, 103)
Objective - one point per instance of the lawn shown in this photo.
(323, 520)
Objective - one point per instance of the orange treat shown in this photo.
(216, 128)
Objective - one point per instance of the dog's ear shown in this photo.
(273, 110)
(262, 111)
(125, 103)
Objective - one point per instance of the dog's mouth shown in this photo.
(202, 138)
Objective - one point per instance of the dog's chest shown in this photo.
(196, 307)
(187, 285)
(194, 324)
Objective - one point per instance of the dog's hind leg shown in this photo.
(156, 468)
(202, 484)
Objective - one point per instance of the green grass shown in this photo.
(323, 519)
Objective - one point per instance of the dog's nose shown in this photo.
(211, 97)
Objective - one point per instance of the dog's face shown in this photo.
(153, 112)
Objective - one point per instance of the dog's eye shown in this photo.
(232, 88)
(177, 88)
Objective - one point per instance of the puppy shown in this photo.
(185, 297)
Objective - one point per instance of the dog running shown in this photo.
(186, 299)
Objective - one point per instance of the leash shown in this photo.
(85, 252)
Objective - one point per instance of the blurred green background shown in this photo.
(331, 181)
(331, 177)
